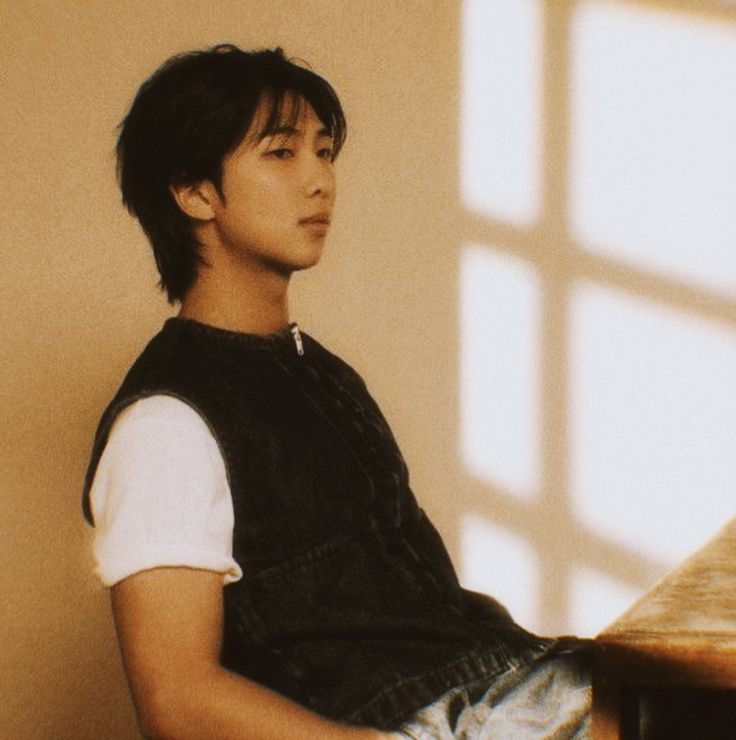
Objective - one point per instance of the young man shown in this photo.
(239, 452)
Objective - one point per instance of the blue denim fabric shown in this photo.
(549, 698)
(350, 604)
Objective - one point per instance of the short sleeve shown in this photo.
(160, 496)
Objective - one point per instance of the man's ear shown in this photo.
(196, 200)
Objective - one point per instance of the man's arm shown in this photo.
(169, 623)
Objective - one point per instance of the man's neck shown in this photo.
(250, 303)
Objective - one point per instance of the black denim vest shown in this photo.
(349, 603)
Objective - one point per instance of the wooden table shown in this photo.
(667, 667)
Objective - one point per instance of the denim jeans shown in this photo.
(549, 698)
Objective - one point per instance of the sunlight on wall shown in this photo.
(596, 600)
(643, 460)
(499, 562)
(653, 420)
(499, 349)
(500, 140)
(653, 176)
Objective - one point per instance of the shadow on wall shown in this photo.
(598, 299)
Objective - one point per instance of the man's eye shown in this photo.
(281, 153)
(325, 153)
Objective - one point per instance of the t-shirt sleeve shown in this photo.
(160, 496)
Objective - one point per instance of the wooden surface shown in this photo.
(696, 599)
(682, 633)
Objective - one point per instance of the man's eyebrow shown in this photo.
(282, 131)
(287, 131)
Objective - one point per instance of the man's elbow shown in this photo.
(166, 711)
(154, 713)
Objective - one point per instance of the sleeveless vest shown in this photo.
(349, 603)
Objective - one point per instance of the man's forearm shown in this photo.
(219, 705)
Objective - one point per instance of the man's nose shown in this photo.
(320, 177)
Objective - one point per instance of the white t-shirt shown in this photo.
(160, 496)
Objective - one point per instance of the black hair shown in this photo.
(186, 118)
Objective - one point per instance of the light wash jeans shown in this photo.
(548, 699)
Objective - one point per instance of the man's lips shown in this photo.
(317, 218)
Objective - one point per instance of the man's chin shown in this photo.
(286, 268)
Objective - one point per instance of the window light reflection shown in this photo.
(597, 600)
(653, 423)
(499, 399)
(500, 115)
(496, 561)
(653, 175)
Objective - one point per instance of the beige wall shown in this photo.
(78, 290)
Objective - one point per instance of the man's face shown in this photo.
(278, 193)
